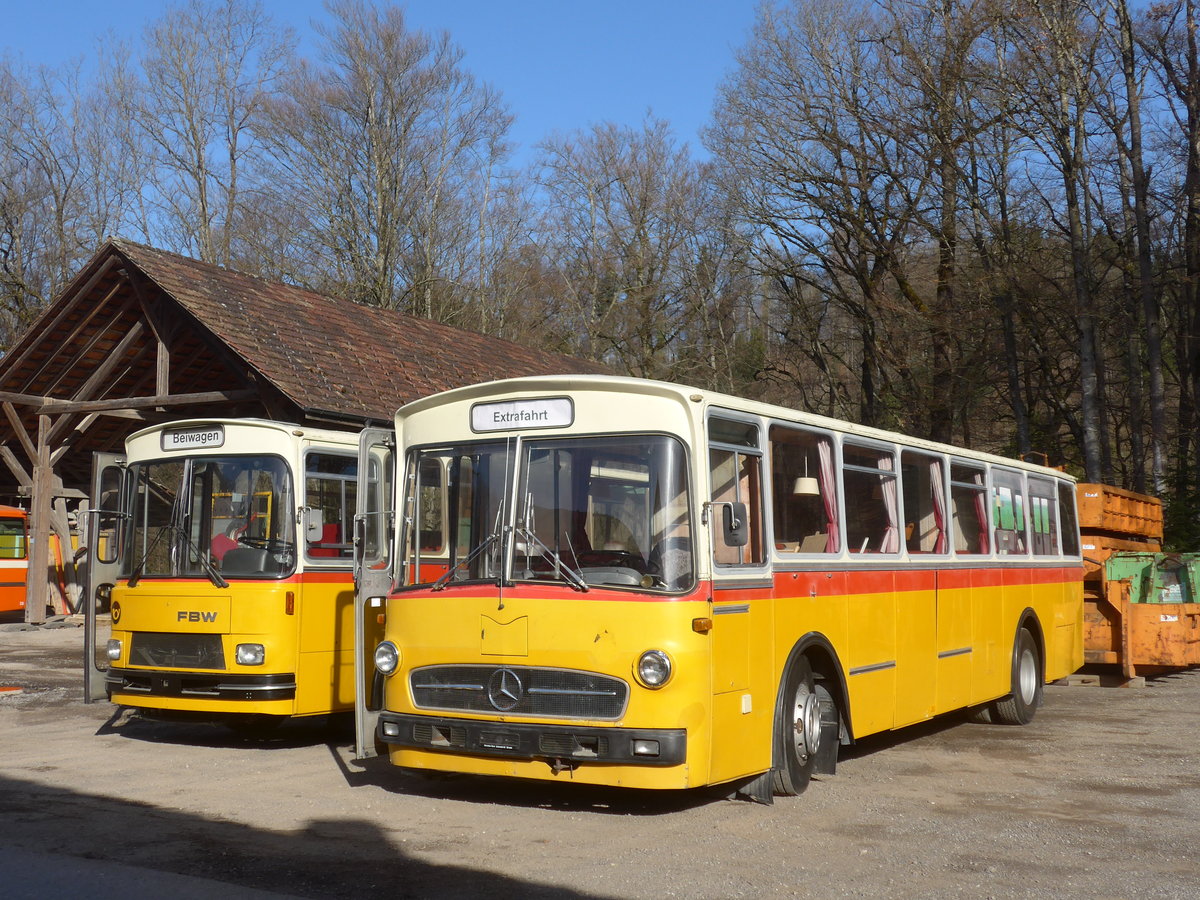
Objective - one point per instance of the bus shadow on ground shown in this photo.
(200, 731)
(526, 793)
(326, 858)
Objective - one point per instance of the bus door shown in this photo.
(103, 561)
(374, 525)
(741, 586)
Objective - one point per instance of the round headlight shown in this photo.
(113, 649)
(654, 668)
(387, 657)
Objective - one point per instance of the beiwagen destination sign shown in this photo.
(553, 412)
(193, 438)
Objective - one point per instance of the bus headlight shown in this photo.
(113, 650)
(653, 668)
(387, 657)
(250, 654)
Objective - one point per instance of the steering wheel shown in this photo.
(597, 558)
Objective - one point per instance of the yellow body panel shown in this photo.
(315, 643)
(949, 649)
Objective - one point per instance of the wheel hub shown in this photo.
(810, 717)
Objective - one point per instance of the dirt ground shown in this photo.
(1098, 798)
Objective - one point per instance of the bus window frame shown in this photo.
(946, 537)
(1020, 510)
(984, 490)
(863, 443)
(714, 517)
(348, 511)
(785, 490)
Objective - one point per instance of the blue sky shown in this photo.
(560, 64)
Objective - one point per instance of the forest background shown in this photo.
(976, 222)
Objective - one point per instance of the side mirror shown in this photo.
(735, 525)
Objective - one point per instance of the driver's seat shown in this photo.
(245, 561)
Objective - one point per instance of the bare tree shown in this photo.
(624, 208)
(209, 69)
(387, 151)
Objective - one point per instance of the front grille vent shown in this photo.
(519, 691)
(176, 651)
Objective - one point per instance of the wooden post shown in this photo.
(37, 588)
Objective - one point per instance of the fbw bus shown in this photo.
(661, 587)
(234, 597)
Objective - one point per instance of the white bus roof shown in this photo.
(690, 397)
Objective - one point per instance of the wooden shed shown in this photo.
(142, 336)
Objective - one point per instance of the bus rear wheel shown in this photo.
(797, 730)
(1019, 707)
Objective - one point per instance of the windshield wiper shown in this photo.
(569, 575)
(209, 569)
(445, 579)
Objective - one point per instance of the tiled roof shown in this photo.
(334, 355)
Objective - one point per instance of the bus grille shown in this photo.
(176, 651)
(519, 691)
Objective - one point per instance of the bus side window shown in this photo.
(736, 477)
(924, 502)
(330, 488)
(1043, 518)
(872, 508)
(1067, 519)
(968, 504)
(1009, 513)
(804, 491)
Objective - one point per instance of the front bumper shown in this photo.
(575, 744)
(206, 685)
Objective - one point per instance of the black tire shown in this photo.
(1026, 680)
(795, 745)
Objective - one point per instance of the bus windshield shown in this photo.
(609, 511)
(210, 517)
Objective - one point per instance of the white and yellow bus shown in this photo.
(235, 594)
(661, 587)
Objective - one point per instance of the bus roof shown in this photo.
(706, 399)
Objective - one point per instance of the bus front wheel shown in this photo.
(1019, 707)
(797, 730)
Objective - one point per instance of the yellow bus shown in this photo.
(235, 593)
(661, 587)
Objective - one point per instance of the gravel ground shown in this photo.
(1098, 798)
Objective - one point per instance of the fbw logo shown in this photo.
(185, 615)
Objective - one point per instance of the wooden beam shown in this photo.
(65, 445)
(78, 333)
(19, 430)
(14, 465)
(100, 376)
(13, 363)
(37, 587)
(23, 399)
(57, 407)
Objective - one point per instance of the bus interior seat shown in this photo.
(220, 545)
(331, 535)
(245, 561)
(814, 543)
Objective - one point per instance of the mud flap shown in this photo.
(759, 789)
